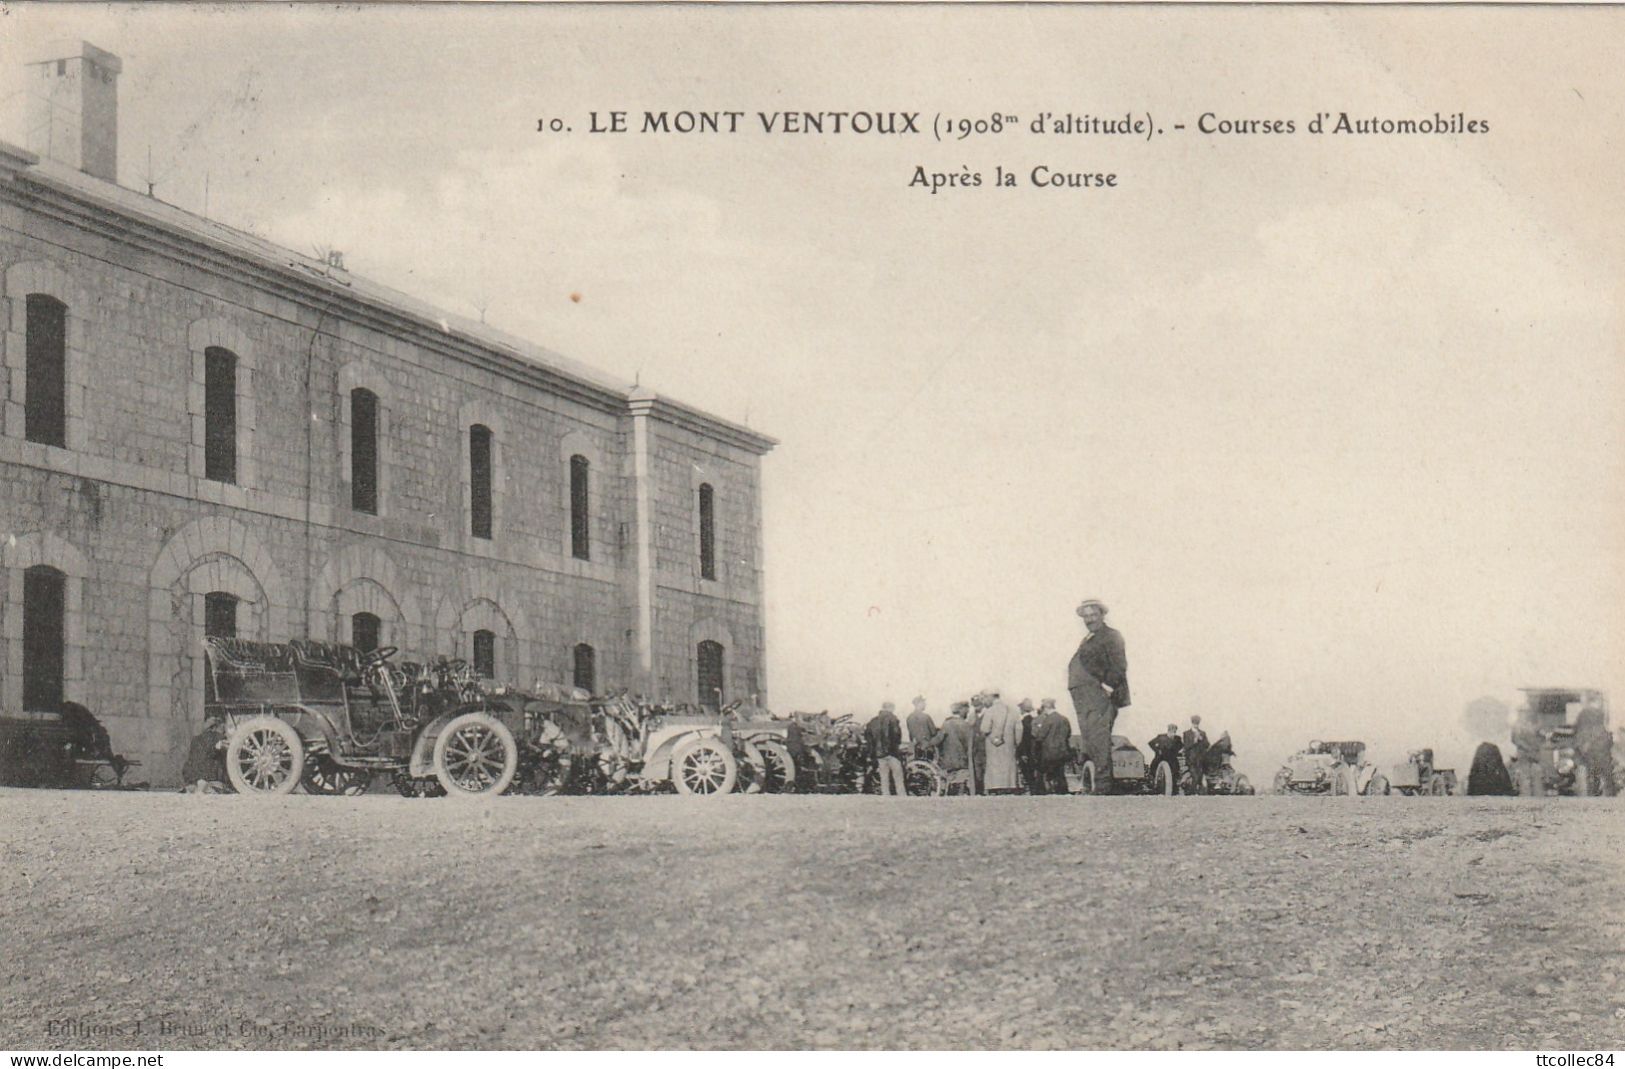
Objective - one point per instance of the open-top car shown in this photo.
(1419, 775)
(1129, 772)
(647, 748)
(1563, 743)
(1330, 768)
(1209, 769)
(327, 715)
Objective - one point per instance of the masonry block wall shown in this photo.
(125, 513)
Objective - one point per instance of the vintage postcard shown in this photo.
(812, 527)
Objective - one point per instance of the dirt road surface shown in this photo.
(796, 921)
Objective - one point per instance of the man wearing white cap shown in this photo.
(1098, 680)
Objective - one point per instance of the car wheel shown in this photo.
(781, 767)
(704, 766)
(264, 755)
(923, 779)
(475, 755)
(1162, 780)
(752, 770)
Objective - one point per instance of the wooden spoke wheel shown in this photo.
(474, 755)
(264, 756)
(704, 766)
(752, 768)
(923, 779)
(323, 775)
(781, 767)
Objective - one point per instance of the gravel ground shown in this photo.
(829, 922)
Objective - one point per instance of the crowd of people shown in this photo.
(992, 747)
(985, 746)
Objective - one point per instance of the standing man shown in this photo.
(1027, 751)
(1002, 730)
(953, 746)
(1098, 680)
(885, 740)
(978, 746)
(921, 730)
(1053, 747)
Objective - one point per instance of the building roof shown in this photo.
(315, 279)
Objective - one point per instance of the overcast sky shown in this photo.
(1332, 424)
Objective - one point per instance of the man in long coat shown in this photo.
(1002, 730)
(1098, 680)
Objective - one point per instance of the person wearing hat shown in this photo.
(1052, 742)
(978, 744)
(921, 729)
(1097, 678)
(1026, 751)
(953, 746)
(1001, 729)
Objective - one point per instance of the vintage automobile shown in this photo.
(1338, 768)
(922, 776)
(1417, 775)
(837, 754)
(63, 747)
(1208, 769)
(1129, 772)
(648, 748)
(327, 715)
(1562, 742)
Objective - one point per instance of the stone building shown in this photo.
(202, 432)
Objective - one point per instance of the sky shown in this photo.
(1332, 424)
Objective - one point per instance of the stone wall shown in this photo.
(125, 512)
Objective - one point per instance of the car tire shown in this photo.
(475, 756)
(264, 755)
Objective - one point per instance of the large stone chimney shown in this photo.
(72, 91)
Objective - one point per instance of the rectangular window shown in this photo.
(219, 615)
(479, 481)
(586, 667)
(45, 371)
(220, 415)
(364, 451)
(485, 654)
(44, 599)
(364, 631)
(580, 547)
(708, 532)
(709, 656)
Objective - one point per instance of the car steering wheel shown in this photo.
(380, 655)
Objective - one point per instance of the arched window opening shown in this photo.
(364, 450)
(44, 638)
(710, 674)
(45, 375)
